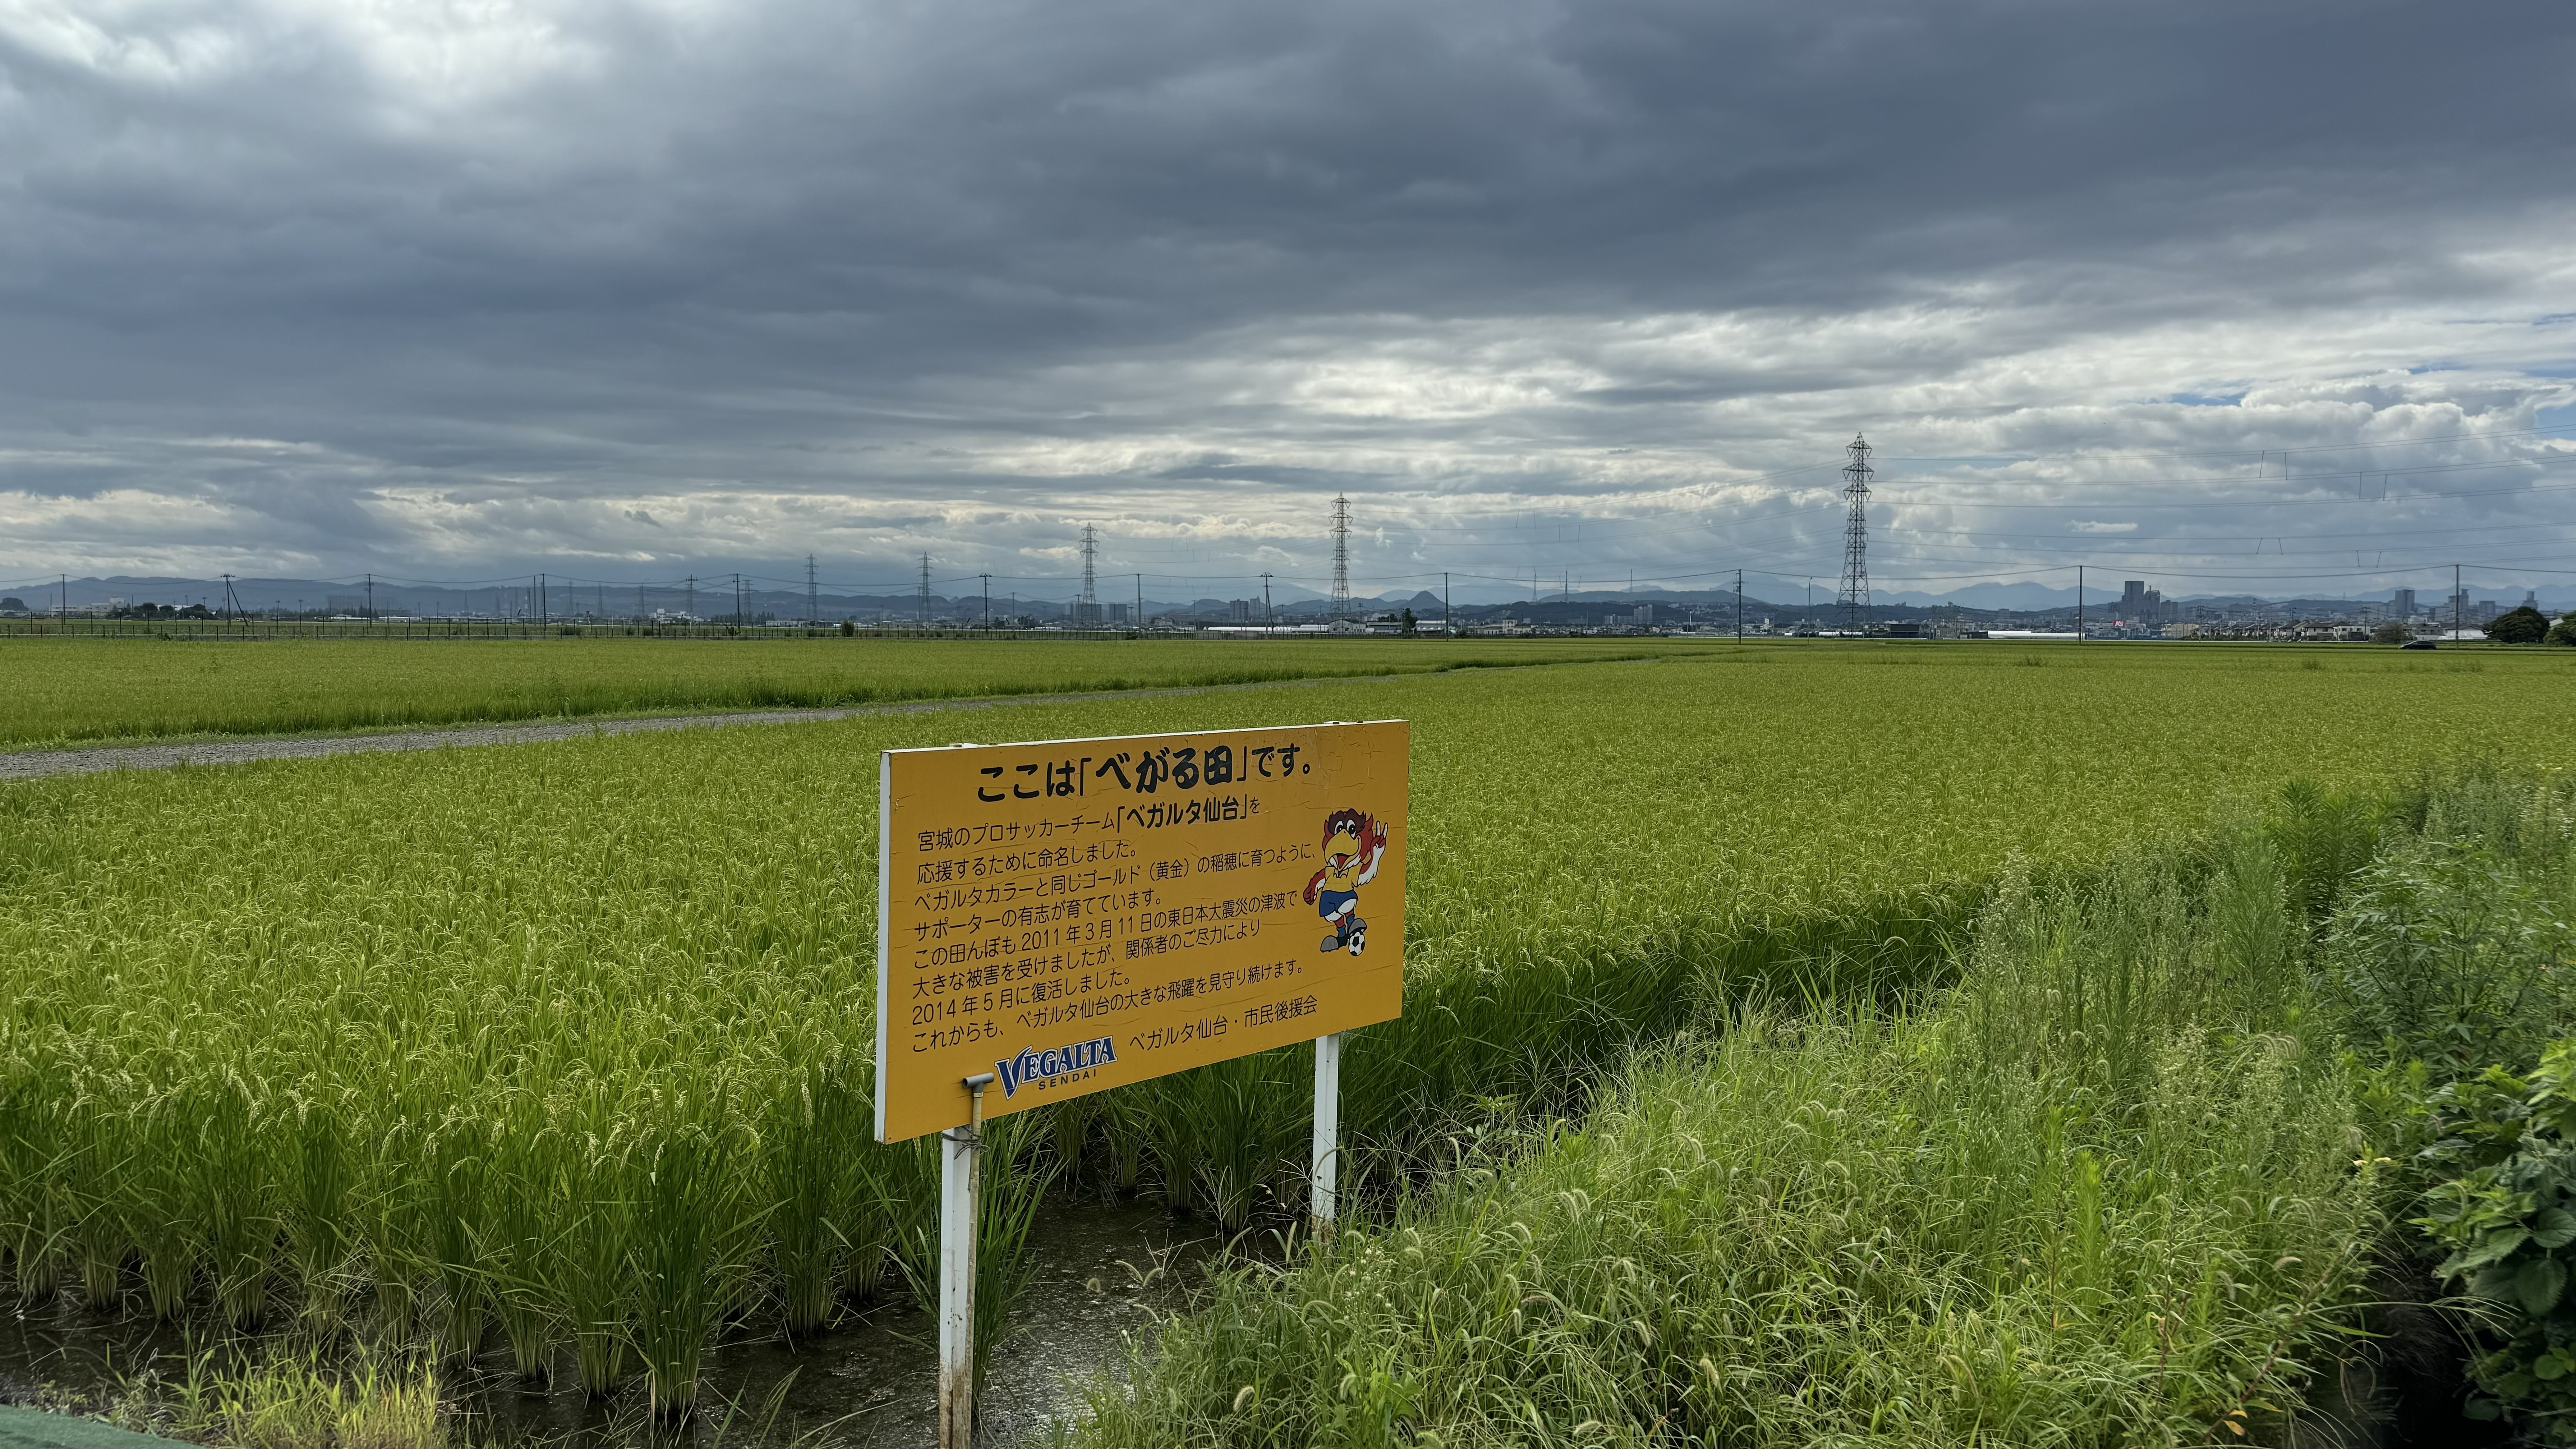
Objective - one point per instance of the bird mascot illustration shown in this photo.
(1354, 844)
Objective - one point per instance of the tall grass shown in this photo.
(294, 1394)
(2100, 1192)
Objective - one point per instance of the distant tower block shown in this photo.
(1855, 590)
(1341, 557)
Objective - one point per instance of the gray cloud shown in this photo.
(622, 289)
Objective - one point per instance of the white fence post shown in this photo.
(961, 1151)
(1328, 1122)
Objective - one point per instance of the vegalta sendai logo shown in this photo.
(1032, 1065)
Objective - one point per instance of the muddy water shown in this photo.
(1100, 1271)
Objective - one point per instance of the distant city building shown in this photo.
(2402, 604)
(2142, 605)
(1118, 613)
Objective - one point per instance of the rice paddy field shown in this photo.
(61, 690)
(1885, 1044)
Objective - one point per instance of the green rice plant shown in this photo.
(684, 1249)
(396, 1210)
(1240, 1136)
(64, 690)
(159, 1220)
(595, 1231)
(497, 968)
(1069, 1135)
(43, 1166)
(1127, 1126)
(323, 1217)
(1013, 1183)
(1013, 1187)
(884, 1193)
(522, 1213)
(235, 1191)
(807, 1172)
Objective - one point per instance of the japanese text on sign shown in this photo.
(1072, 915)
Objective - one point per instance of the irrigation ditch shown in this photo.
(1100, 1270)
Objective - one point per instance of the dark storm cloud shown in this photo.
(304, 286)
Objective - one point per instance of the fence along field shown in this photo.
(566, 1046)
(61, 690)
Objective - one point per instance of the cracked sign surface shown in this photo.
(1070, 915)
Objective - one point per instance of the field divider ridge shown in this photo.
(41, 764)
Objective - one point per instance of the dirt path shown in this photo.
(34, 764)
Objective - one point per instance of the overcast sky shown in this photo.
(624, 290)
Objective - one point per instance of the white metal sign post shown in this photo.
(1328, 1123)
(961, 1182)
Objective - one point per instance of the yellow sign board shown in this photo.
(1073, 915)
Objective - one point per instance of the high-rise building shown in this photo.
(2402, 604)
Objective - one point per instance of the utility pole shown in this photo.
(1140, 601)
(737, 598)
(1739, 606)
(1341, 556)
(988, 601)
(922, 607)
(371, 596)
(1448, 611)
(2079, 603)
(692, 609)
(1855, 589)
(542, 611)
(2455, 603)
(1265, 604)
(813, 606)
(232, 601)
(63, 596)
(640, 614)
